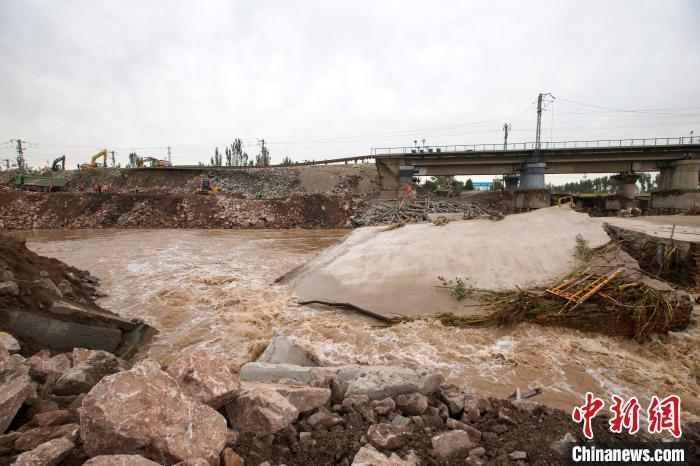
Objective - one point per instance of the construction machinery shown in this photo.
(39, 183)
(206, 188)
(93, 162)
(59, 164)
(156, 163)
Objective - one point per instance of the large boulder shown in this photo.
(303, 397)
(84, 375)
(15, 388)
(261, 412)
(119, 460)
(283, 350)
(206, 377)
(143, 411)
(47, 454)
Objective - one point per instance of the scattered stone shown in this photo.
(306, 439)
(46, 369)
(413, 404)
(401, 421)
(32, 438)
(206, 377)
(518, 455)
(498, 429)
(451, 444)
(84, 375)
(46, 454)
(119, 460)
(368, 456)
(261, 412)
(386, 436)
(51, 418)
(9, 342)
(324, 420)
(453, 399)
(477, 452)
(9, 288)
(143, 411)
(456, 425)
(304, 398)
(505, 418)
(231, 458)
(383, 407)
(193, 462)
(80, 355)
(283, 350)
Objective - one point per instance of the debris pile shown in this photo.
(202, 409)
(384, 212)
(112, 210)
(48, 304)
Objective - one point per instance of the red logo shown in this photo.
(665, 415)
(587, 412)
(625, 415)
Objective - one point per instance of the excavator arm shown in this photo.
(59, 163)
(93, 162)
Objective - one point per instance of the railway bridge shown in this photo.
(523, 165)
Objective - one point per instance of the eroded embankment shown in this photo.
(121, 210)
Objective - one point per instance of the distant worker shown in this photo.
(81, 187)
(136, 190)
(258, 195)
(409, 191)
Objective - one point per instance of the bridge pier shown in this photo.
(532, 175)
(678, 186)
(679, 175)
(626, 185)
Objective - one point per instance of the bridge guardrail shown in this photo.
(597, 143)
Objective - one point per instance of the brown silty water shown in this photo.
(212, 288)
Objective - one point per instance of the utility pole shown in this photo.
(169, 160)
(540, 98)
(20, 155)
(506, 128)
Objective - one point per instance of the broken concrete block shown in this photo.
(303, 397)
(119, 460)
(283, 350)
(386, 436)
(9, 288)
(368, 456)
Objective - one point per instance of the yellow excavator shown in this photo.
(155, 163)
(93, 163)
(206, 188)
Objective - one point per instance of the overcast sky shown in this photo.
(330, 78)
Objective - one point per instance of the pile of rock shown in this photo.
(91, 407)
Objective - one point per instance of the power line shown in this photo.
(644, 111)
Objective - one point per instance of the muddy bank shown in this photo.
(115, 210)
(45, 303)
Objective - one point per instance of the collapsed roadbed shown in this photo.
(47, 304)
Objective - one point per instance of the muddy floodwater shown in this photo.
(212, 288)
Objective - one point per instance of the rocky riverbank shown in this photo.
(91, 407)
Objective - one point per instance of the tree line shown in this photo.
(602, 184)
